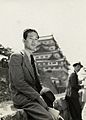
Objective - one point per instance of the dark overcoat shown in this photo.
(73, 99)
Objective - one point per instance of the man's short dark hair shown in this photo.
(26, 31)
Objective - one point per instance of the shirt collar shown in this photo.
(76, 72)
(28, 53)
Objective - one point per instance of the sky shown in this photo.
(65, 19)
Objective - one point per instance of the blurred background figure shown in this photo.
(72, 95)
(84, 96)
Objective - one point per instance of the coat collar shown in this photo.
(76, 73)
(28, 63)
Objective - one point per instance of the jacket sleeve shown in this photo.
(74, 82)
(17, 77)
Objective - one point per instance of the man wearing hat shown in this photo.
(73, 96)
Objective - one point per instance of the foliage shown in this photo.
(5, 51)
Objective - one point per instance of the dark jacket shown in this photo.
(22, 79)
(74, 83)
(73, 100)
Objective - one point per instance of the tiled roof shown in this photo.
(42, 45)
(48, 37)
(46, 45)
(52, 57)
(41, 50)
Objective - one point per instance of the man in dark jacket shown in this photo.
(24, 81)
(72, 95)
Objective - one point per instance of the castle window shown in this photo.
(46, 67)
(43, 63)
(41, 56)
(54, 62)
(51, 67)
(49, 63)
(37, 57)
(51, 41)
(61, 63)
(45, 42)
(39, 64)
(46, 56)
(52, 48)
(57, 55)
(46, 63)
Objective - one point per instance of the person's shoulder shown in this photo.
(16, 54)
(73, 74)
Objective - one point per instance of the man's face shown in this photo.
(78, 67)
(31, 41)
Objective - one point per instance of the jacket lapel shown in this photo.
(28, 64)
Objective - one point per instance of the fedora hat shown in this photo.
(78, 63)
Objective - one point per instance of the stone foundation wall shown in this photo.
(8, 112)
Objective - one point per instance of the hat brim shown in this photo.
(77, 64)
(81, 66)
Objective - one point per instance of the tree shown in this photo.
(6, 52)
